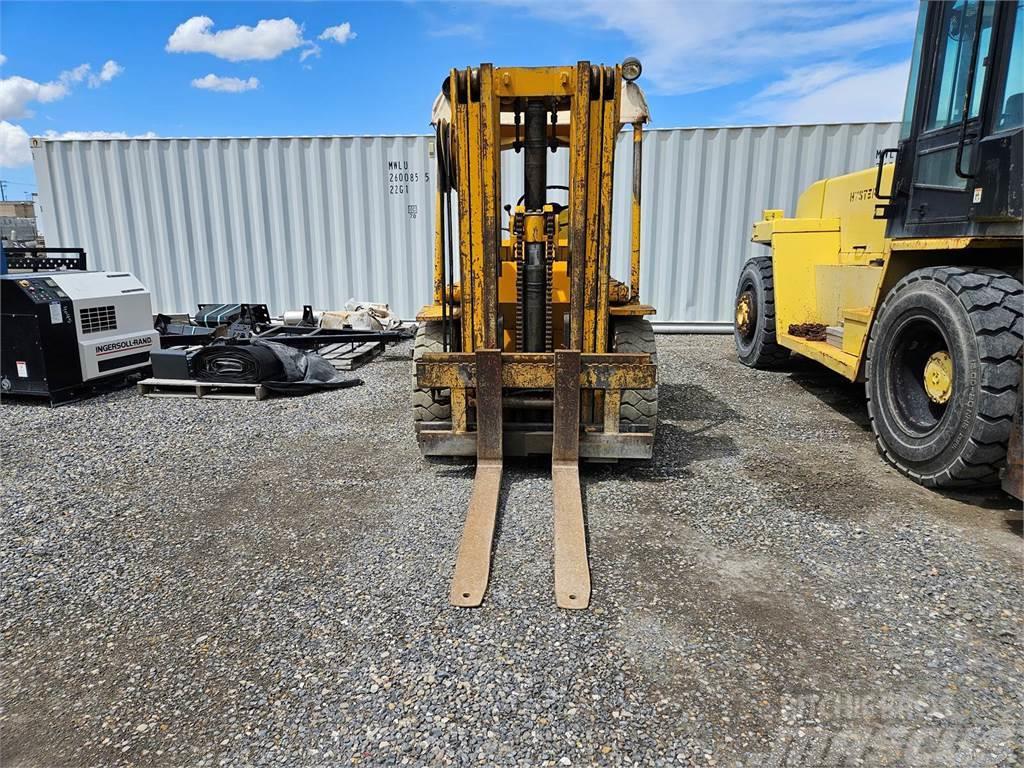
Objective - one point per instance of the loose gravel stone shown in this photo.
(241, 583)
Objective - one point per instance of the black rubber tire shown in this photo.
(639, 410)
(977, 313)
(429, 404)
(758, 348)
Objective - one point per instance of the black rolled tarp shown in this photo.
(277, 367)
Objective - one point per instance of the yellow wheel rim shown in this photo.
(743, 313)
(938, 377)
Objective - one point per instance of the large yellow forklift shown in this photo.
(529, 346)
(907, 276)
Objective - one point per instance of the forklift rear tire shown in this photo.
(429, 404)
(754, 330)
(942, 374)
(639, 410)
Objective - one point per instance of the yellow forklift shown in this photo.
(529, 346)
(907, 276)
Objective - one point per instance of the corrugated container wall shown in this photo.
(319, 220)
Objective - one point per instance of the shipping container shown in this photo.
(318, 220)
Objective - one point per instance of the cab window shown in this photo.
(1011, 100)
(958, 26)
(915, 69)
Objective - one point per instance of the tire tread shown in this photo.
(770, 354)
(639, 410)
(425, 406)
(998, 326)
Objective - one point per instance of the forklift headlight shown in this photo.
(631, 69)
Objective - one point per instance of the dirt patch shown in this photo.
(732, 631)
(840, 483)
(287, 505)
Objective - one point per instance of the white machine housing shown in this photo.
(113, 315)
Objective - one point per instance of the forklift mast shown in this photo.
(520, 353)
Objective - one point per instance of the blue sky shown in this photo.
(269, 68)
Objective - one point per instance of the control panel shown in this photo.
(41, 290)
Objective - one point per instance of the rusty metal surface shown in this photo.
(631, 310)
(545, 358)
(458, 407)
(473, 566)
(566, 420)
(609, 129)
(612, 407)
(537, 371)
(1013, 477)
(593, 233)
(438, 248)
(537, 442)
(809, 331)
(578, 162)
(572, 571)
(634, 222)
(488, 404)
(471, 282)
(490, 205)
(461, 151)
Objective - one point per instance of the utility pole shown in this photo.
(3, 190)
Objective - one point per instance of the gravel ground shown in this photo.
(226, 583)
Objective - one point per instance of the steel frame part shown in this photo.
(532, 317)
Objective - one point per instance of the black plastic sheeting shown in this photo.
(277, 367)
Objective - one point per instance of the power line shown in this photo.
(4, 183)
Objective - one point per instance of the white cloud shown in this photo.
(834, 93)
(3, 59)
(804, 80)
(17, 92)
(340, 33)
(111, 69)
(456, 30)
(76, 75)
(225, 84)
(312, 50)
(14, 145)
(86, 135)
(687, 46)
(267, 40)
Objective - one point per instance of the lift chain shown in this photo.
(518, 231)
(549, 260)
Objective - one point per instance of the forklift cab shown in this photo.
(958, 162)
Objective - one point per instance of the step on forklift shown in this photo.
(529, 346)
(907, 276)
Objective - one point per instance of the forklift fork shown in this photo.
(474, 562)
(572, 571)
